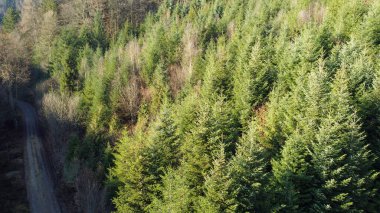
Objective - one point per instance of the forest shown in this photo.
(200, 105)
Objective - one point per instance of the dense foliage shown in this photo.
(266, 109)
(224, 106)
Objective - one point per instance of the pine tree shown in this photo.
(370, 113)
(10, 20)
(294, 171)
(341, 156)
(165, 144)
(137, 181)
(195, 150)
(141, 163)
(177, 196)
(63, 63)
(218, 197)
(248, 171)
(252, 82)
(295, 176)
(216, 78)
(371, 25)
(153, 52)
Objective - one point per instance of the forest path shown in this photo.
(39, 185)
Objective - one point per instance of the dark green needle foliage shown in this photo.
(249, 173)
(341, 156)
(10, 19)
(217, 105)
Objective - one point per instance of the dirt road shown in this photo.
(39, 185)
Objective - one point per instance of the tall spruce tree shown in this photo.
(294, 174)
(252, 81)
(176, 196)
(217, 188)
(294, 171)
(10, 20)
(340, 155)
(249, 173)
(135, 180)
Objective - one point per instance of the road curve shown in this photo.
(39, 185)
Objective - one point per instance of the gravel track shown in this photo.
(39, 185)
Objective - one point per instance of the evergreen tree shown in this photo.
(294, 171)
(10, 20)
(177, 196)
(341, 156)
(216, 77)
(215, 125)
(140, 164)
(137, 181)
(306, 150)
(295, 176)
(217, 188)
(253, 81)
(165, 144)
(248, 171)
(153, 52)
(49, 5)
(371, 31)
(63, 62)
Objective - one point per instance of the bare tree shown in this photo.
(114, 12)
(14, 64)
(90, 195)
(61, 114)
(28, 24)
(130, 98)
(44, 41)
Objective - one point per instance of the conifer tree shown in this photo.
(141, 163)
(341, 156)
(370, 112)
(218, 197)
(216, 77)
(215, 125)
(371, 27)
(165, 139)
(249, 174)
(295, 176)
(133, 193)
(177, 196)
(10, 20)
(294, 171)
(63, 62)
(252, 82)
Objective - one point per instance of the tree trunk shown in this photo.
(11, 99)
(12, 104)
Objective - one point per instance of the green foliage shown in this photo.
(10, 20)
(217, 188)
(63, 63)
(176, 194)
(288, 89)
(295, 175)
(249, 173)
(94, 35)
(49, 5)
(136, 182)
(341, 156)
(143, 162)
(216, 77)
(253, 81)
(371, 27)
(215, 126)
